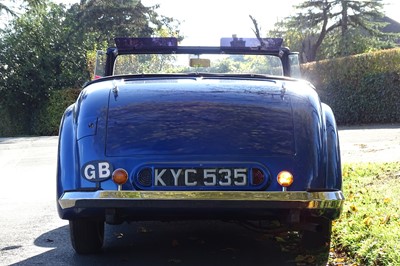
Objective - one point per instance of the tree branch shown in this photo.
(256, 31)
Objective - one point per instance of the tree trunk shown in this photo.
(344, 18)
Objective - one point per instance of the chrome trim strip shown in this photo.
(312, 200)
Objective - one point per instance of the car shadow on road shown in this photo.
(173, 243)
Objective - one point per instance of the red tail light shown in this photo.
(258, 177)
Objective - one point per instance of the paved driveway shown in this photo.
(378, 143)
(32, 234)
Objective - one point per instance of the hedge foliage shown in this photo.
(47, 119)
(361, 89)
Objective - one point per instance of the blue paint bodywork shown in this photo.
(201, 122)
(195, 121)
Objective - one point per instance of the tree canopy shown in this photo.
(330, 28)
(5, 6)
(100, 21)
(49, 48)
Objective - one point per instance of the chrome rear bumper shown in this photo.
(332, 200)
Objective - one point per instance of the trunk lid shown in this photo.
(199, 117)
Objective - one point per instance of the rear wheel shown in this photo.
(87, 236)
(321, 237)
(317, 243)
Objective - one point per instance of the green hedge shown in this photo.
(361, 89)
(47, 119)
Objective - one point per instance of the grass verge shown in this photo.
(368, 230)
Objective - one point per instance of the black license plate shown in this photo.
(206, 177)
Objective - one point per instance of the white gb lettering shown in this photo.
(90, 172)
(104, 170)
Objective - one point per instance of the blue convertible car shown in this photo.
(178, 132)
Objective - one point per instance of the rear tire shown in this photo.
(87, 236)
(319, 239)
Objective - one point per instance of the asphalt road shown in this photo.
(374, 143)
(32, 234)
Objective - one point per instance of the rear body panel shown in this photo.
(205, 139)
(200, 117)
(197, 126)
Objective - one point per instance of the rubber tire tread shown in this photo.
(87, 236)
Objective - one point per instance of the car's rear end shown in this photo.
(197, 146)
